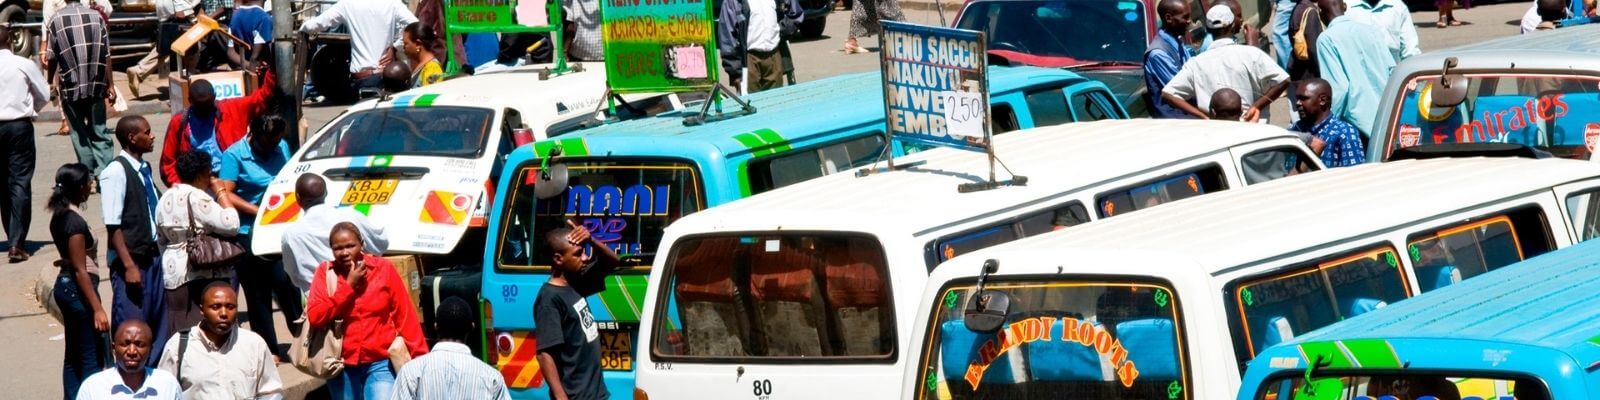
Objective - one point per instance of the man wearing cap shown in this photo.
(1245, 69)
(1355, 60)
(1166, 55)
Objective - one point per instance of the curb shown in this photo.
(146, 107)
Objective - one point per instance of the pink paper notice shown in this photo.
(689, 62)
(532, 13)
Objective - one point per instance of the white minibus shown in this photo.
(806, 291)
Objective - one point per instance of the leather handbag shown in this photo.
(320, 352)
(207, 251)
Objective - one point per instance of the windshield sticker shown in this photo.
(1086, 333)
(414, 100)
(1410, 135)
(1591, 136)
(1495, 126)
(607, 207)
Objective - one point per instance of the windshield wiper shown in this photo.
(1107, 64)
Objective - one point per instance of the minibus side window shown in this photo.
(1274, 163)
(776, 298)
(1273, 308)
(1448, 255)
(1048, 107)
(1086, 106)
(1004, 118)
(1583, 209)
(1076, 337)
(1028, 225)
(800, 165)
(1401, 384)
(1161, 191)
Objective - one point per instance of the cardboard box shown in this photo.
(410, 269)
(227, 85)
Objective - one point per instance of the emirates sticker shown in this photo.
(1591, 136)
(1410, 135)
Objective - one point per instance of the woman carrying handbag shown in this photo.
(189, 222)
(370, 305)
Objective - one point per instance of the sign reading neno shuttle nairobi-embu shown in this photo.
(659, 45)
(934, 86)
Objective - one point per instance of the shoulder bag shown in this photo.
(320, 352)
(207, 251)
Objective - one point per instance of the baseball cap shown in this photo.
(1219, 16)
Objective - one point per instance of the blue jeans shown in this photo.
(363, 382)
(1281, 13)
(87, 350)
(145, 303)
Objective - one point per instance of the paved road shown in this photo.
(32, 349)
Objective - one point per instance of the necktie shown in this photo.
(150, 198)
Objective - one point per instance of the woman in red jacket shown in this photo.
(370, 298)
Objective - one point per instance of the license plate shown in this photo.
(370, 191)
(616, 350)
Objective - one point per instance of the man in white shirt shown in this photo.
(216, 359)
(130, 379)
(749, 33)
(1245, 69)
(305, 242)
(1394, 18)
(128, 199)
(449, 370)
(170, 14)
(582, 29)
(25, 92)
(374, 33)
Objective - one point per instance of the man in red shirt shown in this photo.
(211, 125)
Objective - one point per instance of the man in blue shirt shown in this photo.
(1355, 59)
(1166, 55)
(252, 24)
(247, 168)
(1334, 140)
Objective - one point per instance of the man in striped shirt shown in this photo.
(80, 53)
(450, 371)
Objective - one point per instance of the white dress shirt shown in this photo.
(25, 91)
(114, 185)
(239, 368)
(108, 385)
(762, 34)
(1393, 17)
(305, 242)
(374, 27)
(173, 230)
(449, 371)
(1245, 69)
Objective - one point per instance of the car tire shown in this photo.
(812, 27)
(23, 41)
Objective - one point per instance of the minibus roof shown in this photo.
(1571, 50)
(808, 108)
(489, 90)
(923, 199)
(1547, 301)
(1241, 227)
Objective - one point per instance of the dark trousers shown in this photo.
(766, 69)
(17, 156)
(90, 140)
(262, 280)
(142, 302)
(86, 348)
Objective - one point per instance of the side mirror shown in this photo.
(986, 310)
(552, 179)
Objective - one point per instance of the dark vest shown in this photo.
(136, 218)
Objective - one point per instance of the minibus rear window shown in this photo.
(1161, 191)
(1446, 256)
(776, 298)
(1401, 386)
(1064, 338)
(1549, 112)
(625, 204)
(797, 166)
(1299, 299)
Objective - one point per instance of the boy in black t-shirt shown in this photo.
(569, 346)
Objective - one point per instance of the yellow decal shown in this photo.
(1036, 329)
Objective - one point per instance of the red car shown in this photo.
(1101, 39)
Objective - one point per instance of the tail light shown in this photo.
(521, 136)
(492, 348)
(639, 394)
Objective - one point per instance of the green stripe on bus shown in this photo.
(425, 100)
(380, 161)
(1327, 352)
(364, 209)
(744, 179)
(616, 301)
(574, 147)
(1372, 353)
(779, 144)
(749, 140)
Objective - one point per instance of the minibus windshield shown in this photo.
(443, 131)
(1370, 385)
(624, 204)
(775, 298)
(1556, 113)
(1063, 338)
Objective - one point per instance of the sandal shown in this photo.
(1454, 21)
(852, 48)
(1442, 23)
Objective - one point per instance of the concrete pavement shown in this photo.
(33, 347)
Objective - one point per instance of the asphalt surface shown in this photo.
(32, 350)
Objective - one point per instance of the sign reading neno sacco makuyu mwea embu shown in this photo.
(934, 85)
(659, 45)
